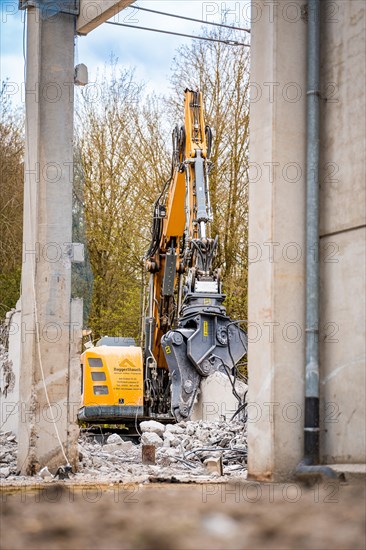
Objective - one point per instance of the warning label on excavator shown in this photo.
(207, 301)
(205, 328)
(168, 350)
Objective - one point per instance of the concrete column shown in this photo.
(46, 276)
(277, 239)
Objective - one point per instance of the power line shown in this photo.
(228, 42)
(191, 19)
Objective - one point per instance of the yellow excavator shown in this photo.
(188, 335)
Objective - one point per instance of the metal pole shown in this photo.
(310, 463)
(312, 238)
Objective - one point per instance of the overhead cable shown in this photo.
(227, 42)
(192, 19)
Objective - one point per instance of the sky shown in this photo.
(150, 53)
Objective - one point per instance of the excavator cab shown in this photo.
(111, 381)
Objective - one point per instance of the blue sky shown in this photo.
(150, 53)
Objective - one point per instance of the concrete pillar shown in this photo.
(46, 275)
(276, 239)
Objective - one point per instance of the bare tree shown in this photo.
(221, 71)
(123, 162)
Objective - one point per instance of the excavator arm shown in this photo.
(188, 335)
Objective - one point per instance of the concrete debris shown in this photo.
(112, 447)
(184, 452)
(8, 454)
(4, 472)
(216, 398)
(214, 464)
(153, 427)
(151, 438)
(45, 474)
(7, 376)
(115, 438)
(187, 452)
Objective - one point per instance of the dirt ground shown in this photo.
(184, 516)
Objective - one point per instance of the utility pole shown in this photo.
(50, 322)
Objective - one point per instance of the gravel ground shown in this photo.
(185, 517)
(116, 502)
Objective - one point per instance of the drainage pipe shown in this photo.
(310, 463)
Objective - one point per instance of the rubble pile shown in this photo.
(188, 452)
(8, 454)
(7, 377)
(188, 448)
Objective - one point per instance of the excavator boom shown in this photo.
(188, 327)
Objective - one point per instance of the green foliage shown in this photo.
(9, 290)
(123, 158)
(81, 273)
(11, 204)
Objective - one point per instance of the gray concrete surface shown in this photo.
(46, 274)
(276, 239)
(216, 400)
(94, 12)
(277, 217)
(342, 231)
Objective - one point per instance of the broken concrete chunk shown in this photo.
(233, 468)
(191, 428)
(151, 438)
(6, 458)
(170, 440)
(4, 472)
(174, 429)
(126, 446)
(111, 447)
(151, 426)
(214, 464)
(166, 456)
(115, 438)
(45, 474)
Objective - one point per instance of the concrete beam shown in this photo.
(95, 12)
(46, 273)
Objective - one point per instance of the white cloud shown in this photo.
(149, 52)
